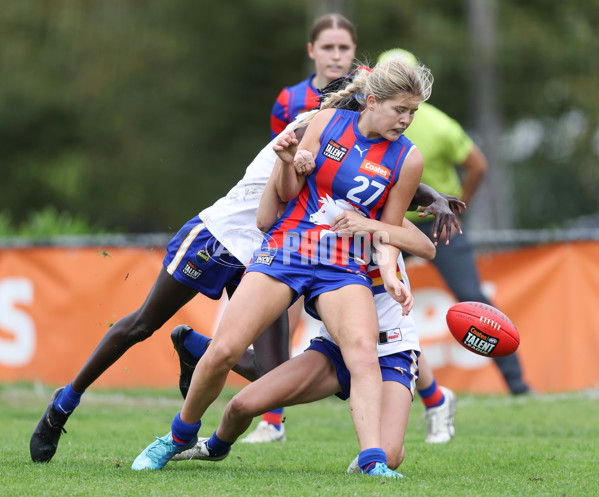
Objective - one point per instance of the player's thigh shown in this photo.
(165, 298)
(308, 377)
(349, 314)
(295, 314)
(257, 302)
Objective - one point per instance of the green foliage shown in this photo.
(504, 446)
(137, 115)
(46, 223)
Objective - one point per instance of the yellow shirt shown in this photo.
(443, 144)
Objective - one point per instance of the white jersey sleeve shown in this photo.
(232, 218)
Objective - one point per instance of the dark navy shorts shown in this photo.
(198, 260)
(305, 278)
(401, 367)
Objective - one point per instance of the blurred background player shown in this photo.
(445, 146)
(332, 47)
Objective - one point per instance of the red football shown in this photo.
(482, 329)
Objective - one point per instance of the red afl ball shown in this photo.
(482, 329)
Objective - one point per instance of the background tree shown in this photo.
(135, 115)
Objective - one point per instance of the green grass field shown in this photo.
(504, 446)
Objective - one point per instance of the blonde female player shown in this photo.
(379, 177)
(320, 371)
(332, 47)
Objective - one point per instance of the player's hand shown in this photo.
(445, 208)
(350, 222)
(286, 146)
(304, 162)
(401, 294)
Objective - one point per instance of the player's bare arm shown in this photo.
(289, 182)
(406, 237)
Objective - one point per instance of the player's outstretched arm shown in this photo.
(296, 159)
(445, 208)
(406, 237)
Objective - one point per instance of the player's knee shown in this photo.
(132, 329)
(395, 457)
(141, 333)
(222, 356)
(360, 344)
(239, 407)
(361, 353)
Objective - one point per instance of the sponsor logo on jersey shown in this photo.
(334, 151)
(479, 342)
(203, 256)
(360, 150)
(192, 271)
(265, 258)
(390, 336)
(374, 169)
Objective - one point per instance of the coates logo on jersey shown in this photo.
(334, 151)
(373, 169)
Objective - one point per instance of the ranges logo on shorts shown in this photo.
(265, 258)
(334, 151)
(203, 256)
(373, 169)
(192, 271)
(479, 342)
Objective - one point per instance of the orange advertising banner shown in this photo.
(56, 303)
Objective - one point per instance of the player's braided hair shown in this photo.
(350, 91)
(344, 101)
(385, 81)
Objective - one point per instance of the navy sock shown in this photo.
(67, 400)
(371, 456)
(216, 446)
(196, 343)
(184, 432)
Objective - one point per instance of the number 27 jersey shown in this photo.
(352, 172)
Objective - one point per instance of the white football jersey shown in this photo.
(232, 218)
(396, 332)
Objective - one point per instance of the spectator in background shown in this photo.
(445, 146)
